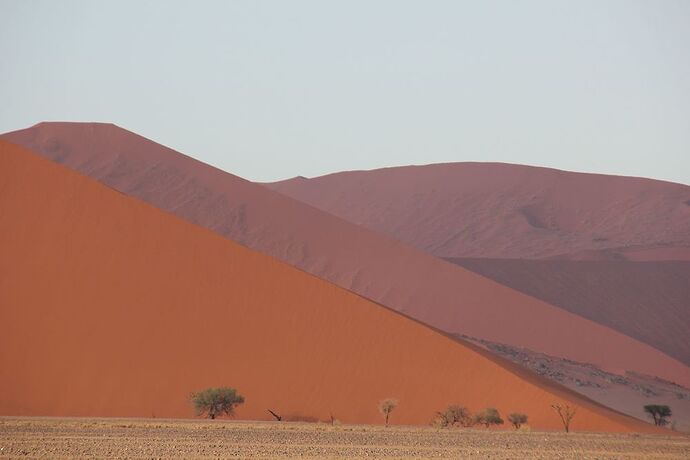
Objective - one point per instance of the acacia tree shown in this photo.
(454, 415)
(488, 416)
(386, 406)
(216, 401)
(659, 413)
(517, 419)
(566, 413)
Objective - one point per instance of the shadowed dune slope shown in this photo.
(374, 265)
(509, 211)
(119, 309)
(649, 301)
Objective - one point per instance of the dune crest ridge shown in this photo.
(500, 210)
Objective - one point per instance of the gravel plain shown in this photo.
(154, 438)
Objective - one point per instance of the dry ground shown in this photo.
(152, 438)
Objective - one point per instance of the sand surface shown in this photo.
(136, 438)
(371, 264)
(120, 309)
(500, 210)
(649, 301)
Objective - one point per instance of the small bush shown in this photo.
(386, 406)
(453, 416)
(488, 417)
(517, 419)
(216, 401)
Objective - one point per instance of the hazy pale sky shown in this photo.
(272, 89)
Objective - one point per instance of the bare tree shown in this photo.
(386, 406)
(566, 413)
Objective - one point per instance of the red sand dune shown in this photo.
(509, 211)
(376, 266)
(649, 301)
(116, 308)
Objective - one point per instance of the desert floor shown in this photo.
(153, 438)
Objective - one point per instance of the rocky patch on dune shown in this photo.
(627, 392)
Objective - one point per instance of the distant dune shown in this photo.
(617, 249)
(115, 308)
(649, 301)
(496, 210)
(371, 264)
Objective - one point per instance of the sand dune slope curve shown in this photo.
(371, 264)
(119, 309)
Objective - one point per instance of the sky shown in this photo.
(273, 89)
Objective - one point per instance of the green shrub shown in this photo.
(488, 416)
(386, 406)
(453, 415)
(517, 419)
(216, 401)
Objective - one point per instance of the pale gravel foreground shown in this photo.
(152, 438)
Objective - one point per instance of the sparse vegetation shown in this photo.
(566, 413)
(659, 413)
(453, 415)
(517, 419)
(142, 438)
(386, 406)
(488, 417)
(216, 401)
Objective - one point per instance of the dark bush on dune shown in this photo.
(659, 413)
